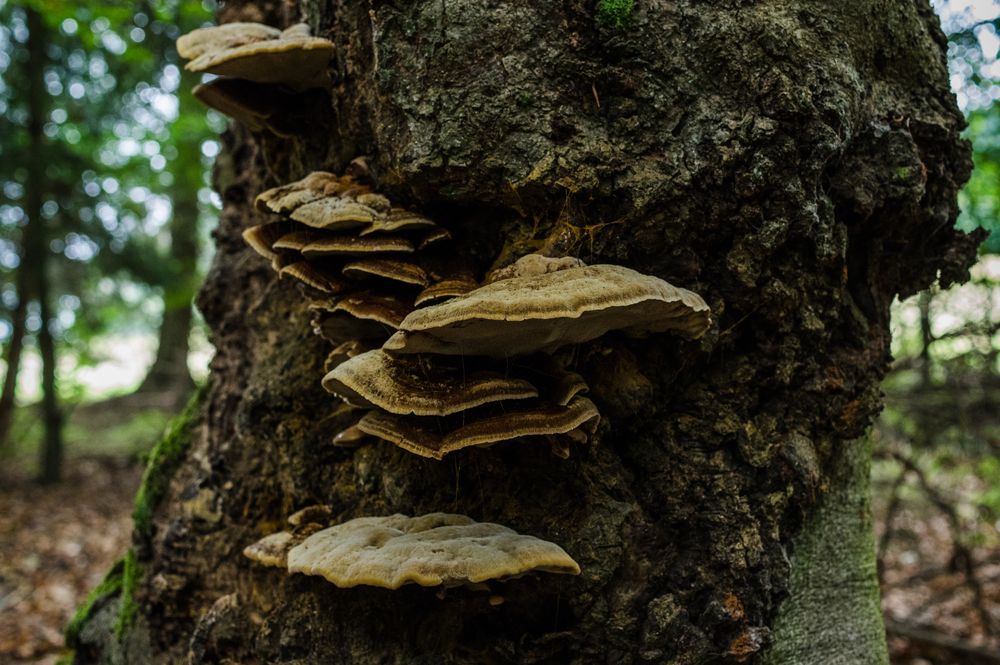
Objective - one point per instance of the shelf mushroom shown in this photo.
(434, 405)
(259, 53)
(375, 262)
(542, 312)
(429, 550)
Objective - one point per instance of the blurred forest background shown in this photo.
(106, 209)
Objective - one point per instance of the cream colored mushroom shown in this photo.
(259, 53)
(522, 315)
(429, 550)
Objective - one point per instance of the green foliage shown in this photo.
(110, 585)
(164, 459)
(87, 432)
(127, 153)
(615, 13)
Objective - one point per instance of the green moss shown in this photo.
(110, 585)
(615, 13)
(131, 572)
(163, 460)
(67, 658)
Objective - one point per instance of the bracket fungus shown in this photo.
(259, 53)
(436, 437)
(343, 239)
(406, 386)
(543, 312)
(429, 550)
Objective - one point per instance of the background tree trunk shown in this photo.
(796, 163)
(36, 250)
(12, 358)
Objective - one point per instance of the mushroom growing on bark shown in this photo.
(343, 239)
(542, 312)
(259, 53)
(429, 550)
(433, 405)
(436, 437)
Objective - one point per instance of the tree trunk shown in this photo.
(36, 250)
(13, 358)
(796, 163)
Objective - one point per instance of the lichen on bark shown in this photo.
(796, 163)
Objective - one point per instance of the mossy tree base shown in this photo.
(795, 163)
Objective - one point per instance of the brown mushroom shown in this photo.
(423, 436)
(398, 220)
(448, 287)
(429, 550)
(344, 351)
(433, 237)
(352, 437)
(522, 315)
(296, 240)
(408, 386)
(391, 269)
(340, 244)
(262, 237)
(313, 276)
(385, 308)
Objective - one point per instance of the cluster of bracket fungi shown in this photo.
(436, 360)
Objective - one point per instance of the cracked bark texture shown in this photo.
(796, 162)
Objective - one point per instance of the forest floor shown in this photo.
(57, 542)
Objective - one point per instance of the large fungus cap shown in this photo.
(259, 53)
(423, 436)
(429, 550)
(409, 386)
(522, 315)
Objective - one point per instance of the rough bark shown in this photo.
(795, 162)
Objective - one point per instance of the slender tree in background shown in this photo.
(36, 252)
(796, 163)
